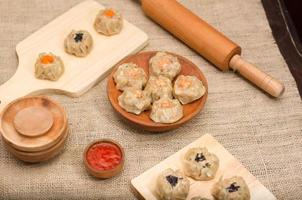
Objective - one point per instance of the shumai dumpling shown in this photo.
(49, 67)
(78, 43)
(108, 22)
(172, 185)
(164, 64)
(233, 188)
(199, 164)
(188, 89)
(159, 87)
(134, 100)
(166, 110)
(130, 75)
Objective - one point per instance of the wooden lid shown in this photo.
(33, 121)
(143, 120)
(33, 137)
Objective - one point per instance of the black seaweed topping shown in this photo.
(173, 180)
(78, 37)
(233, 188)
(199, 157)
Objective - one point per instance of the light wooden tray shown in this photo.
(144, 185)
(80, 73)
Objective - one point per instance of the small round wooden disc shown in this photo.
(33, 121)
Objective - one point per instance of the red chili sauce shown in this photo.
(104, 156)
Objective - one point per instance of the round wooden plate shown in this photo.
(33, 121)
(143, 120)
(41, 142)
(39, 156)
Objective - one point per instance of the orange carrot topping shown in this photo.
(132, 73)
(166, 104)
(47, 59)
(138, 94)
(109, 13)
(163, 63)
(184, 83)
(160, 82)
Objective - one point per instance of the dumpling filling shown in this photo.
(130, 75)
(188, 89)
(159, 87)
(49, 67)
(234, 188)
(134, 100)
(108, 22)
(172, 185)
(165, 65)
(78, 43)
(166, 110)
(200, 164)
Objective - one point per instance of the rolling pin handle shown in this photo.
(256, 76)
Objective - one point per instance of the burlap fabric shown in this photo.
(263, 133)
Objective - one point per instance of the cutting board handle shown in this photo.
(17, 86)
(256, 76)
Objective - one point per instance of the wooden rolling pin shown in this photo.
(207, 41)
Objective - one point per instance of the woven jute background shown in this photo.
(265, 134)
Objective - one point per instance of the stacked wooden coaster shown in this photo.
(34, 129)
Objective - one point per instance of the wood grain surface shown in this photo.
(39, 156)
(229, 166)
(33, 121)
(143, 120)
(80, 73)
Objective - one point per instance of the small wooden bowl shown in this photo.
(143, 120)
(38, 142)
(39, 156)
(104, 174)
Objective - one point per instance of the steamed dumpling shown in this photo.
(188, 89)
(233, 188)
(159, 87)
(78, 43)
(166, 110)
(108, 22)
(172, 185)
(199, 164)
(134, 100)
(49, 67)
(130, 75)
(164, 64)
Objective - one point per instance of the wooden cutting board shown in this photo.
(80, 73)
(144, 185)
